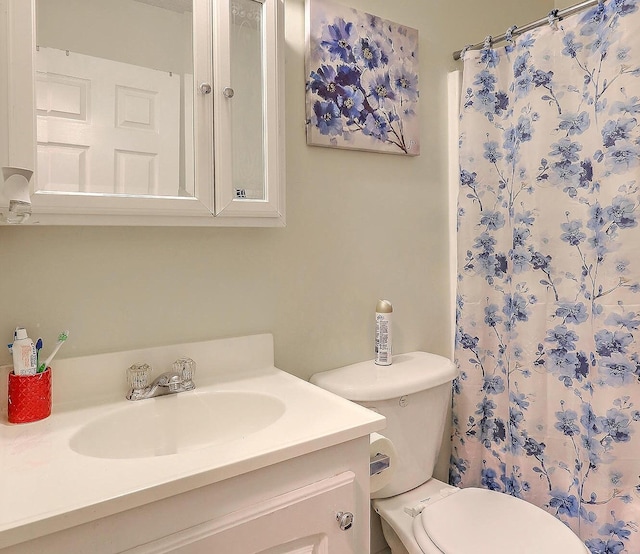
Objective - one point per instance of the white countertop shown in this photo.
(45, 486)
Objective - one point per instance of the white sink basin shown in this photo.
(177, 423)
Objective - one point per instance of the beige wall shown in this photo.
(361, 226)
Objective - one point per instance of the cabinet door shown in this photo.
(249, 108)
(302, 521)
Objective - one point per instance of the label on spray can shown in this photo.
(383, 333)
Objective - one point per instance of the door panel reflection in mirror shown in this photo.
(95, 106)
(105, 125)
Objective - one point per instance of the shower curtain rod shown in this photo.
(560, 14)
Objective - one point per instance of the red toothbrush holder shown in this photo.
(29, 397)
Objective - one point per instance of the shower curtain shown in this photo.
(547, 404)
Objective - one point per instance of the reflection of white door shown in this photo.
(106, 127)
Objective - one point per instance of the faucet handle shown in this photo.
(138, 376)
(185, 367)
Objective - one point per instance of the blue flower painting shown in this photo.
(362, 81)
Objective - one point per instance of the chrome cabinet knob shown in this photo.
(205, 88)
(228, 92)
(345, 520)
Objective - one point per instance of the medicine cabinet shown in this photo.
(145, 112)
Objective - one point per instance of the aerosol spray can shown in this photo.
(384, 310)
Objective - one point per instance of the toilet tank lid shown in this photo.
(368, 382)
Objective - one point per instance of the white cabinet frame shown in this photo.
(215, 203)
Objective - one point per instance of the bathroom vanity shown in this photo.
(252, 460)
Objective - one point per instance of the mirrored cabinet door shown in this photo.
(247, 93)
(118, 100)
(114, 117)
(250, 108)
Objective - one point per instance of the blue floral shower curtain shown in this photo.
(547, 404)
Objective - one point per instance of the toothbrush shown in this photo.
(61, 338)
(38, 348)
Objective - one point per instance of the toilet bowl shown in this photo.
(465, 521)
(419, 514)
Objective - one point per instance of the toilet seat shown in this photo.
(479, 521)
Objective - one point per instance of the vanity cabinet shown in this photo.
(254, 461)
(302, 520)
(287, 508)
(145, 112)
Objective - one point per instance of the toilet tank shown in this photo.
(413, 394)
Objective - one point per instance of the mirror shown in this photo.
(114, 98)
(247, 118)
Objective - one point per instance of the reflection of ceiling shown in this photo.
(180, 6)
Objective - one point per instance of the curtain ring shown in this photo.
(488, 41)
(465, 50)
(508, 36)
(552, 17)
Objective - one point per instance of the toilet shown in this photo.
(419, 514)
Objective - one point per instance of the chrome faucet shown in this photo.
(170, 382)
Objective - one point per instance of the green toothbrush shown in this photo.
(61, 338)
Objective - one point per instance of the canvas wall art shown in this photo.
(362, 81)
